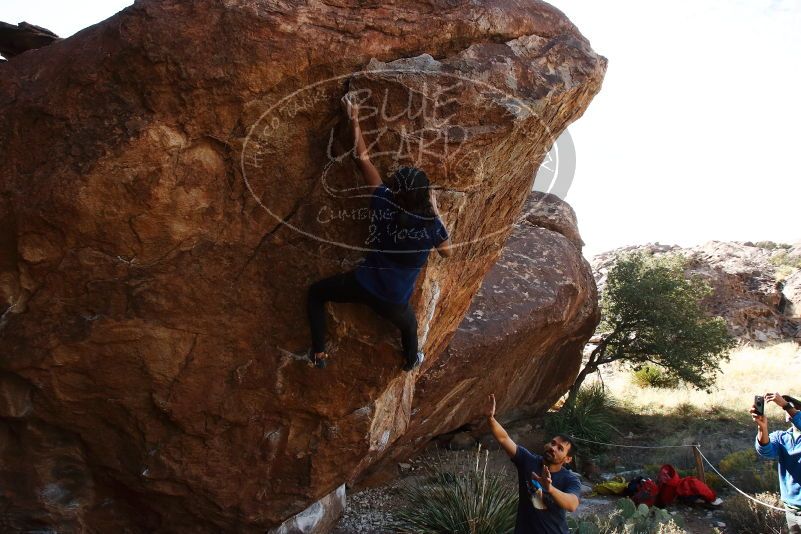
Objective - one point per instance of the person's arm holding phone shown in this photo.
(370, 173)
(764, 446)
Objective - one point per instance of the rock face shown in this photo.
(166, 201)
(743, 277)
(15, 40)
(522, 337)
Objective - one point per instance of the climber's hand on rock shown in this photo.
(351, 109)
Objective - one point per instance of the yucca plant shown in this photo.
(590, 417)
(468, 501)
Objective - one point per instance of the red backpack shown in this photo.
(644, 491)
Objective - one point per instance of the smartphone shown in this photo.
(759, 402)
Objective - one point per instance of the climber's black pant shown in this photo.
(345, 288)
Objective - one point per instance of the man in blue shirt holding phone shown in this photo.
(547, 489)
(784, 446)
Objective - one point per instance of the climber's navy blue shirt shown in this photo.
(529, 519)
(386, 273)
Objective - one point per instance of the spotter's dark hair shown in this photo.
(567, 439)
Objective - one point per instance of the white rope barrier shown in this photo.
(744, 494)
(741, 492)
(633, 446)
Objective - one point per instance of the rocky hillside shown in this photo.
(744, 276)
(173, 179)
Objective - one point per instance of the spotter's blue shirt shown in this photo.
(529, 519)
(390, 270)
(785, 447)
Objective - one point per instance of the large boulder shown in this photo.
(172, 180)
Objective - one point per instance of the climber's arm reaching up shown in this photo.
(369, 171)
(444, 248)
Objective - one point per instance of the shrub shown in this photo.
(654, 376)
(782, 272)
(687, 410)
(714, 481)
(782, 259)
(750, 472)
(468, 501)
(744, 515)
(628, 519)
(590, 418)
(770, 245)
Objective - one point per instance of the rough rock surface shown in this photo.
(743, 277)
(522, 337)
(16, 39)
(171, 183)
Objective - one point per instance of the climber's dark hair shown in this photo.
(410, 187)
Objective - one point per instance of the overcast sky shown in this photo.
(694, 135)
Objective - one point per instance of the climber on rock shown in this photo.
(404, 226)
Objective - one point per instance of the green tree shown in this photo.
(652, 314)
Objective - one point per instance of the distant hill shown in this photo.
(744, 276)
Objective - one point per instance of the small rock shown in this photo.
(404, 467)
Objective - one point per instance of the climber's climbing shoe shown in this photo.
(320, 363)
(409, 366)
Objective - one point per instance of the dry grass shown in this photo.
(719, 420)
(751, 371)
